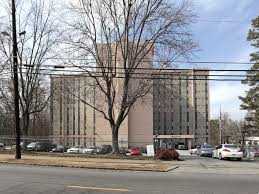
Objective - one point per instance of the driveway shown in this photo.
(210, 165)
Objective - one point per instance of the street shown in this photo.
(194, 176)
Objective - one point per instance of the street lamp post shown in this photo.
(16, 84)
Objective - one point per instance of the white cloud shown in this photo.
(225, 95)
(214, 5)
(208, 5)
(226, 92)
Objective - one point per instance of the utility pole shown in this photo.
(220, 127)
(94, 117)
(16, 84)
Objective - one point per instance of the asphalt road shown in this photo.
(50, 180)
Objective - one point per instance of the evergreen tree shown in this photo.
(251, 101)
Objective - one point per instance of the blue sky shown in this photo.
(224, 41)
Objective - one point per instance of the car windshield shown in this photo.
(231, 146)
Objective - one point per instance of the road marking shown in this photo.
(99, 188)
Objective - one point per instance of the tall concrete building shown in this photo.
(176, 112)
(181, 108)
(76, 123)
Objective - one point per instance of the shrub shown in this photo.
(167, 154)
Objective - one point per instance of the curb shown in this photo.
(171, 168)
(93, 167)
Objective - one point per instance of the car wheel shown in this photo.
(239, 159)
(220, 156)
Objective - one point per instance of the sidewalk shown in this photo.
(91, 163)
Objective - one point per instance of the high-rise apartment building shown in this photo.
(181, 107)
(175, 112)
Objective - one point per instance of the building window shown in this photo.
(158, 122)
(79, 109)
(165, 128)
(67, 119)
(172, 122)
(195, 102)
(74, 116)
(180, 104)
(61, 108)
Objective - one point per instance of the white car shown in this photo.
(89, 150)
(193, 151)
(76, 150)
(224, 151)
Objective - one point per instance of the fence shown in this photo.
(85, 141)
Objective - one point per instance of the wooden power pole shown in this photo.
(16, 84)
(220, 128)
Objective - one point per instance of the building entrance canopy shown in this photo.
(173, 136)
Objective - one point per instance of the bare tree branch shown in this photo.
(122, 36)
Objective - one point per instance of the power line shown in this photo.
(136, 73)
(140, 78)
(141, 68)
(149, 68)
(160, 61)
(145, 73)
(158, 72)
(150, 77)
(164, 71)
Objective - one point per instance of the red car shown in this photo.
(135, 152)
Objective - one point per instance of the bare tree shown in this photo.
(37, 40)
(121, 37)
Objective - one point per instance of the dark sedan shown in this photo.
(40, 146)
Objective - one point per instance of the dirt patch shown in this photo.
(90, 163)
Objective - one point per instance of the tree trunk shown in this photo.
(26, 121)
(243, 141)
(115, 142)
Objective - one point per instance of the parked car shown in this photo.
(105, 149)
(256, 151)
(32, 146)
(205, 150)
(58, 149)
(76, 150)
(224, 151)
(1, 146)
(39, 146)
(135, 152)
(44, 147)
(124, 151)
(249, 152)
(7, 147)
(181, 146)
(194, 150)
(90, 150)
(24, 144)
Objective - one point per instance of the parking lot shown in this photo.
(211, 165)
